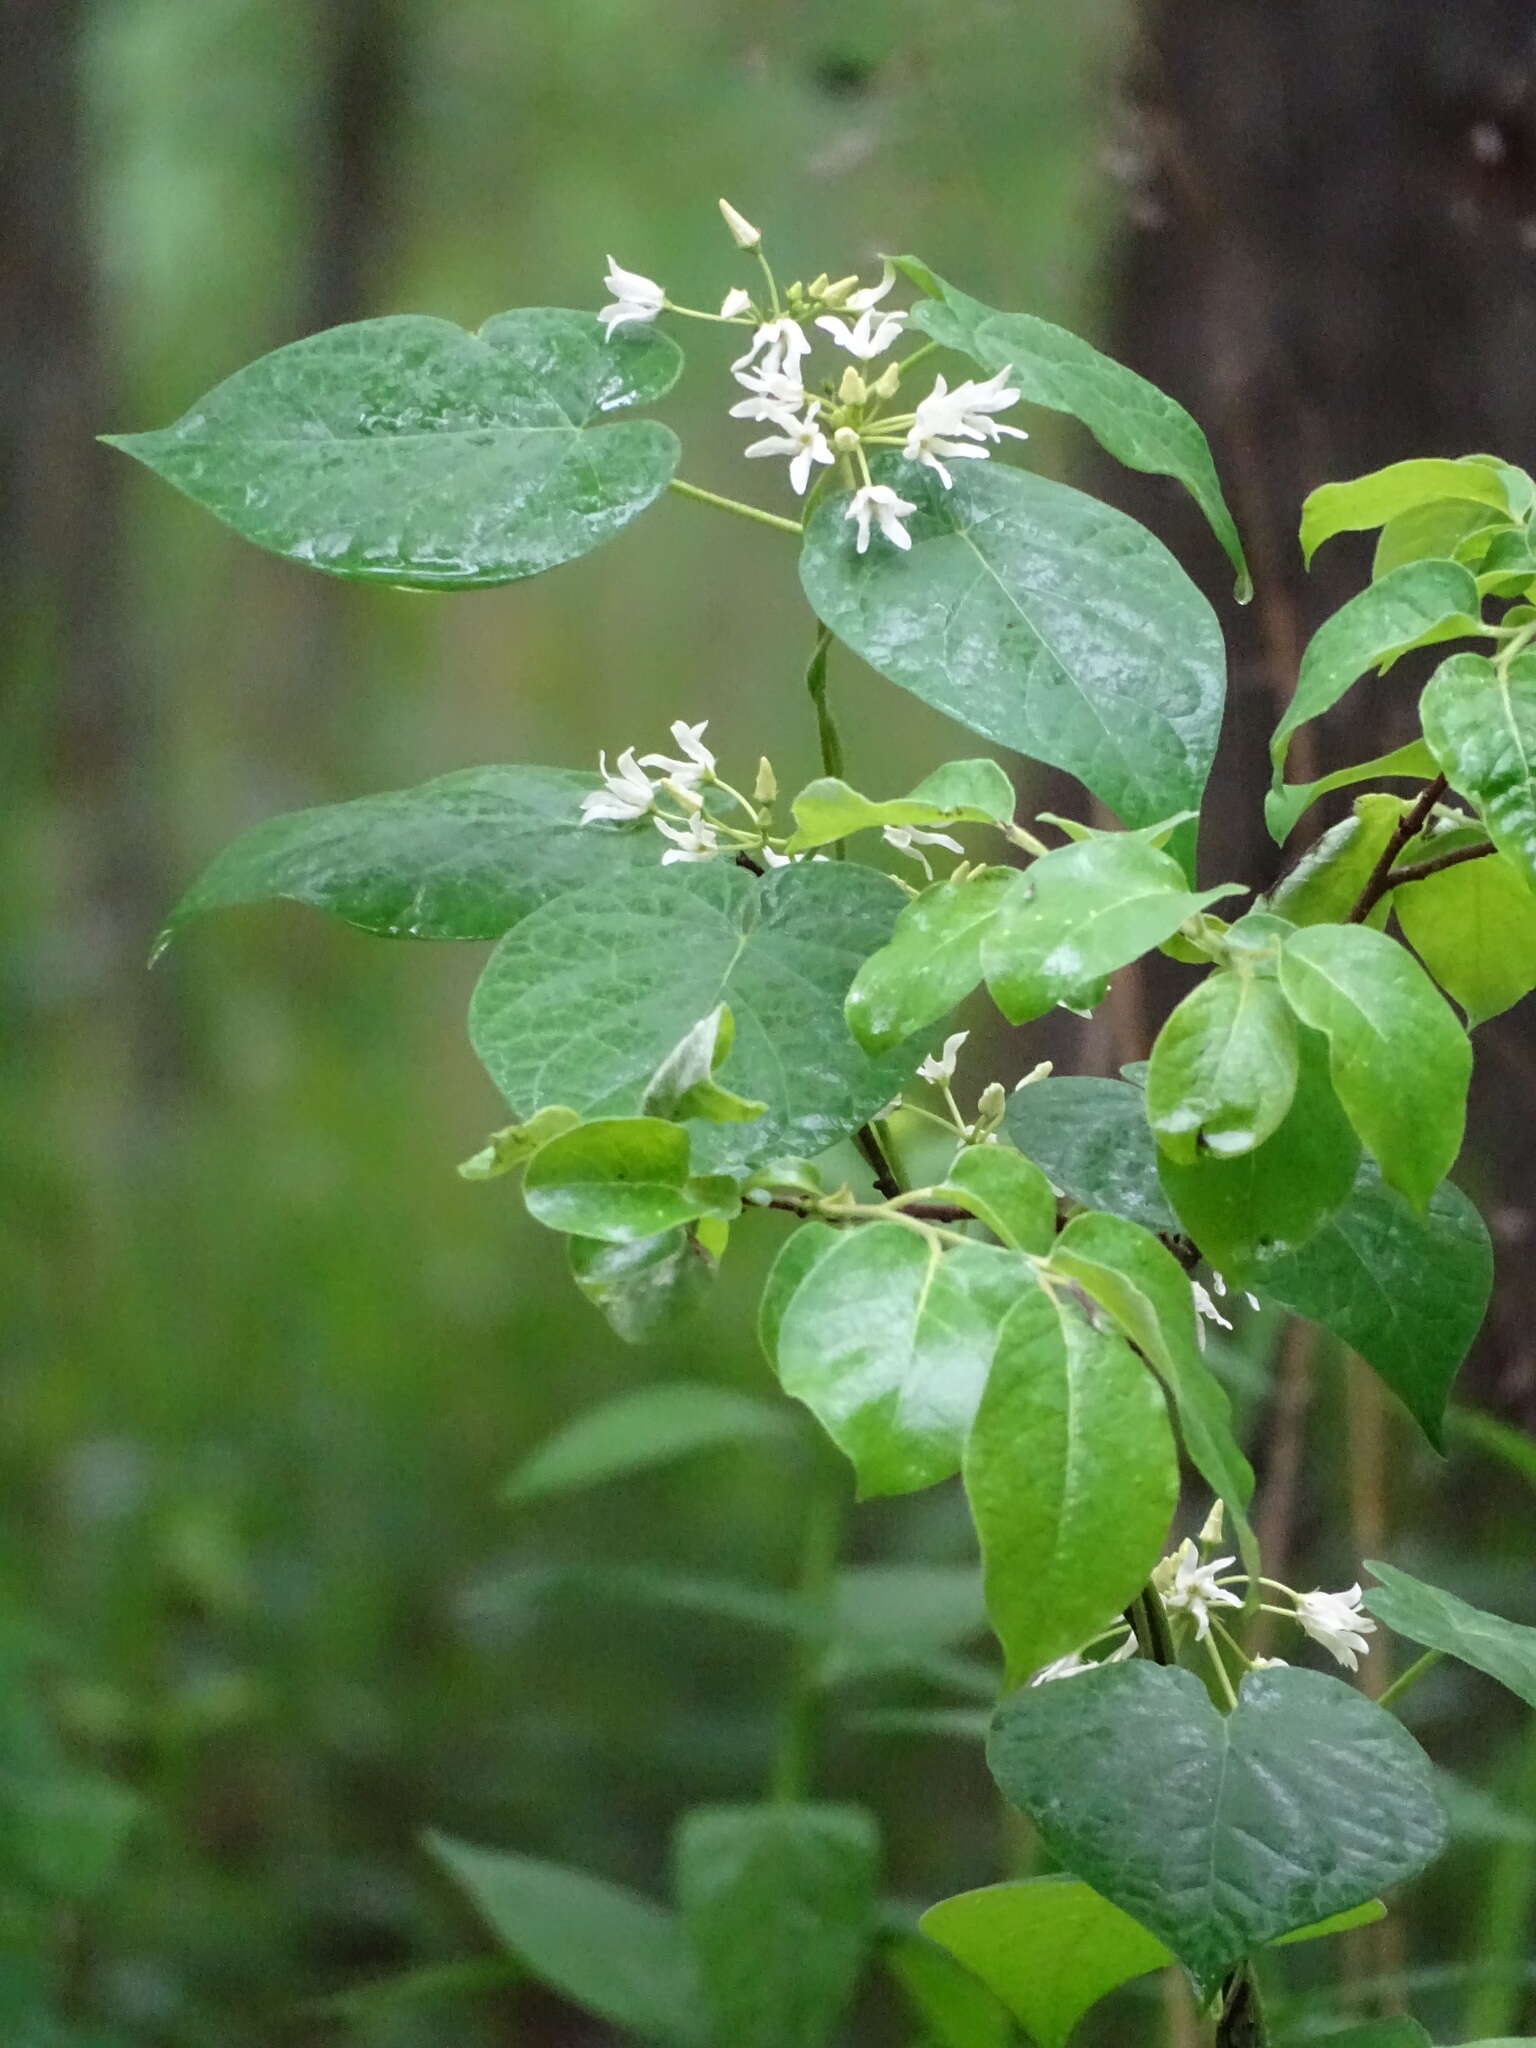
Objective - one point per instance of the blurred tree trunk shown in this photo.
(1329, 254)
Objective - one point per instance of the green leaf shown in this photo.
(1128, 416)
(1219, 1833)
(1473, 926)
(643, 1289)
(1481, 729)
(1223, 1069)
(1039, 618)
(620, 1179)
(1092, 1138)
(515, 1144)
(1371, 501)
(1400, 1062)
(1141, 1284)
(605, 1949)
(1326, 883)
(582, 1002)
(462, 857)
(932, 962)
(1408, 1291)
(1454, 529)
(683, 1086)
(1049, 1947)
(1072, 1479)
(1078, 914)
(1393, 2033)
(1005, 1191)
(1286, 802)
(888, 1340)
(1436, 1620)
(961, 792)
(1245, 1211)
(1382, 622)
(638, 1431)
(799, 1252)
(956, 2010)
(779, 1904)
(408, 451)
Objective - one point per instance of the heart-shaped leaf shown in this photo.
(1437, 1620)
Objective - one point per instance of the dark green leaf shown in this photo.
(1093, 1140)
(635, 1432)
(408, 451)
(1370, 501)
(1223, 1070)
(1481, 728)
(1138, 424)
(1039, 618)
(1218, 1833)
(1436, 1620)
(932, 962)
(1473, 926)
(1005, 1191)
(961, 792)
(620, 1179)
(779, 1905)
(1393, 2033)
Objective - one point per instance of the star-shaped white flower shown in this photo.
(940, 1067)
(932, 432)
(771, 392)
(778, 348)
(735, 303)
(1338, 1622)
(688, 739)
(871, 294)
(1074, 1664)
(968, 409)
(636, 299)
(626, 792)
(870, 335)
(1189, 1587)
(802, 440)
(909, 840)
(697, 840)
(878, 505)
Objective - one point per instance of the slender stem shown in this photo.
(1416, 870)
(868, 1142)
(916, 356)
(794, 1760)
(826, 725)
(1408, 826)
(1149, 1623)
(1496, 1997)
(1411, 1676)
(753, 512)
(1218, 1665)
(773, 284)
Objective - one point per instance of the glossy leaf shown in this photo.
(605, 1949)
(515, 1144)
(1399, 1061)
(1141, 1284)
(1286, 802)
(461, 857)
(1072, 1479)
(1327, 882)
(888, 1340)
(1384, 620)
(1473, 926)
(1092, 1138)
(637, 1431)
(1077, 915)
(1481, 728)
(620, 1179)
(961, 792)
(932, 962)
(408, 451)
(684, 1085)
(1437, 1620)
(645, 1288)
(779, 1905)
(1138, 424)
(802, 1249)
(1039, 618)
(1218, 1833)
(1407, 1290)
(1365, 502)
(1444, 529)
(1223, 1068)
(582, 1002)
(1005, 1191)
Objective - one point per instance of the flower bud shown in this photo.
(1210, 1533)
(766, 787)
(735, 303)
(845, 440)
(990, 1106)
(743, 234)
(817, 286)
(888, 382)
(853, 390)
(835, 294)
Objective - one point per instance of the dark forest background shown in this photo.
(265, 1361)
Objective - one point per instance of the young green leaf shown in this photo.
(637, 1431)
(461, 857)
(1286, 802)
(408, 451)
(684, 1085)
(1480, 723)
(1128, 416)
(605, 1949)
(515, 1144)
(778, 1903)
(1473, 926)
(1408, 1291)
(1223, 1069)
(1421, 600)
(1092, 1139)
(1219, 1832)
(1444, 529)
(1072, 1479)
(1005, 1191)
(961, 792)
(956, 2010)
(1328, 880)
(1370, 501)
(1436, 1620)
(1079, 913)
(1399, 1061)
(1039, 618)
(619, 1179)
(645, 1288)
(933, 960)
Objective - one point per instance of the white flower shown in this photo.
(1337, 1622)
(879, 504)
(801, 440)
(934, 425)
(773, 392)
(770, 859)
(1191, 1586)
(635, 298)
(735, 303)
(941, 1068)
(870, 335)
(909, 840)
(1206, 1308)
(1075, 1663)
(694, 841)
(1269, 1664)
(688, 740)
(969, 407)
(626, 793)
(871, 294)
(743, 234)
(778, 348)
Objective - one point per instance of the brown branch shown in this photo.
(1418, 869)
(923, 1212)
(1408, 826)
(869, 1144)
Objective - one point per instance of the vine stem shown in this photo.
(1416, 870)
(742, 511)
(1408, 826)
(1411, 1676)
(827, 734)
(794, 1759)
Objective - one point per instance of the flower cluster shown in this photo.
(628, 792)
(835, 425)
